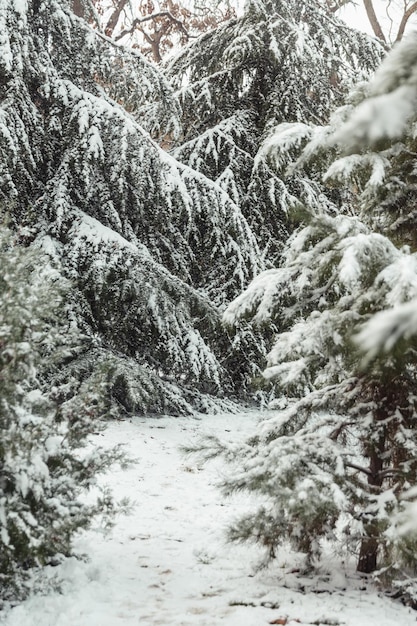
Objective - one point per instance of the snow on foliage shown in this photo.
(152, 247)
(348, 467)
(391, 100)
(45, 464)
(381, 129)
(144, 327)
(278, 64)
(346, 288)
(385, 329)
(155, 244)
(345, 168)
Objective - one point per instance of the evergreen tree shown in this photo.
(380, 134)
(151, 247)
(344, 447)
(44, 465)
(281, 62)
(337, 461)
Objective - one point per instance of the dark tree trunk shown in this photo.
(156, 51)
(114, 18)
(368, 553)
(78, 8)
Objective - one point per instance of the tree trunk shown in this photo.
(155, 51)
(114, 18)
(78, 8)
(368, 553)
(376, 27)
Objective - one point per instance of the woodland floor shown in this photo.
(168, 562)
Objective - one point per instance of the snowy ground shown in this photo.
(168, 563)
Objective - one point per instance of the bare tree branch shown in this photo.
(137, 21)
(114, 17)
(335, 434)
(376, 26)
(172, 23)
(406, 16)
(364, 470)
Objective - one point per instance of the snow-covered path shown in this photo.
(168, 563)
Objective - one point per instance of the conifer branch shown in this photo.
(364, 470)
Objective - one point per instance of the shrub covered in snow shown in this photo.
(44, 462)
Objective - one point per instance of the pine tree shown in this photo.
(275, 69)
(337, 461)
(380, 135)
(281, 62)
(344, 446)
(151, 247)
(44, 464)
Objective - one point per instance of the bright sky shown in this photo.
(388, 11)
(355, 16)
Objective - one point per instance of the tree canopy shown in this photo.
(338, 461)
(151, 247)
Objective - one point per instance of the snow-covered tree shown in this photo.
(268, 73)
(280, 62)
(336, 462)
(44, 462)
(151, 247)
(344, 447)
(378, 143)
